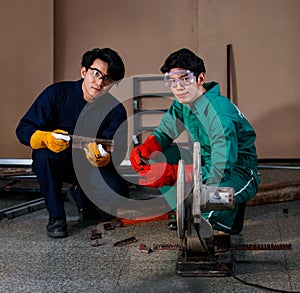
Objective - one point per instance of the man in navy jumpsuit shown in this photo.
(56, 110)
(227, 140)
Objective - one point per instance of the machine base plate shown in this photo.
(199, 264)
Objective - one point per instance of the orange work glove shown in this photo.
(140, 155)
(162, 174)
(96, 155)
(45, 139)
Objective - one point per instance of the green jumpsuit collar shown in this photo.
(212, 90)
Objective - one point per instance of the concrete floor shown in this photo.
(32, 262)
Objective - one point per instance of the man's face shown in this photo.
(96, 82)
(185, 86)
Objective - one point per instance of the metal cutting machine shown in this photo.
(203, 252)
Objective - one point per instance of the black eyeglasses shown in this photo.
(106, 79)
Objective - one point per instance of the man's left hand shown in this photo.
(94, 156)
(158, 175)
(162, 174)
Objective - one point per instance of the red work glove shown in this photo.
(140, 155)
(162, 174)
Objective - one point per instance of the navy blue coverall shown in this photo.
(58, 107)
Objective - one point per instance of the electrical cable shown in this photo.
(230, 272)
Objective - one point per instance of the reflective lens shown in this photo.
(183, 77)
(106, 79)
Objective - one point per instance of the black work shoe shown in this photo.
(57, 228)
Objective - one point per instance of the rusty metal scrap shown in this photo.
(125, 241)
(145, 249)
(6, 172)
(164, 246)
(96, 234)
(254, 246)
(108, 226)
(97, 243)
(265, 246)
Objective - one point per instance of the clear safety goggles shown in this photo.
(183, 77)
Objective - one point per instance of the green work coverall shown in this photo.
(227, 142)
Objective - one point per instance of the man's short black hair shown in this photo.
(116, 68)
(185, 59)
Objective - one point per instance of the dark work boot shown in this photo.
(57, 228)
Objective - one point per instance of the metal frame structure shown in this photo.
(138, 112)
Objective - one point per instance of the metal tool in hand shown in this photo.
(81, 142)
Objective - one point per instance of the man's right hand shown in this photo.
(140, 155)
(46, 139)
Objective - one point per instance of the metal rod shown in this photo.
(82, 141)
(22, 209)
(229, 46)
(278, 167)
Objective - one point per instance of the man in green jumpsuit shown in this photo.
(227, 140)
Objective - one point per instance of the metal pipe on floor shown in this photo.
(278, 167)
